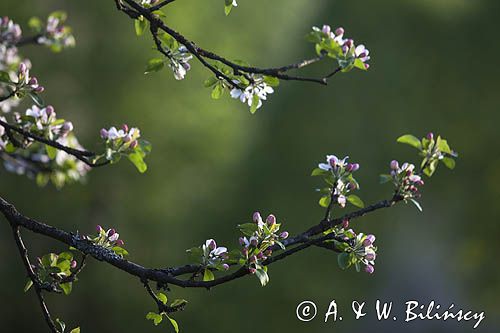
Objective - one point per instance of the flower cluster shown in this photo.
(108, 239)
(25, 82)
(179, 62)
(259, 236)
(338, 174)
(44, 122)
(53, 33)
(254, 93)
(53, 270)
(125, 141)
(405, 180)
(355, 249)
(10, 32)
(344, 50)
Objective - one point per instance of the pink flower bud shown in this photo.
(134, 144)
(119, 242)
(394, 165)
(369, 269)
(125, 128)
(252, 270)
(420, 182)
(225, 267)
(260, 255)
(244, 251)
(369, 240)
(271, 220)
(104, 133)
(212, 245)
(351, 167)
(33, 81)
(241, 240)
(339, 31)
(110, 232)
(73, 264)
(370, 256)
(253, 259)
(345, 223)
(326, 29)
(39, 89)
(99, 228)
(186, 66)
(254, 241)
(67, 127)
(430, 136)
(367, 66)
(256, 217)
(284, 235)
(22, 68)
(349, 43)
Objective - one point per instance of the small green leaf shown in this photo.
(174, 324)
(442, 145)
(67, 287)
(358, 63)
(155, 317)
(385, 178)
(35, 24)
(344, 260)
(154, 65)
(120, 251)
(137, 160)
(248, 229)
(28, 285)
(325, 200)
(208, 275)
(5, 77)
(272, 81)
(217, 91)
(37, 99)
(178, 303)
(356, 201)
(162, 297)
(319, 172)
(415, 202)
(75, 330)
(410, 140)
(51, 151)
(140, 25)
(210, 81)
(255, 103)
(262, 276)
(449, 162)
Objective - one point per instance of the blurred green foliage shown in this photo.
(433, 68)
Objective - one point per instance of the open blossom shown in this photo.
(333, 163)
(179, 62)
(56, 35)
(10, 32)
(124, 134)
(214, 251)
(257, 89)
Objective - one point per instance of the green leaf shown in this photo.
(255, 103)
(51, 151)
(162, 297)
(67, 287)
(262, 276)
(356, 201)
(120, 251)
(37, 99)
(154, 65)
(137, 160)
(443, 146)
(344, 260)
(410, 140)
(415, 202)
(217, 91)
(66, 255)
(385, 178)
(449, 162)
(228, 7)
(28, 285)
(319, 172)
(272, 81)
(359, 64)
(210, 81)
(208, 275)
(248, 229)
(5, 77)
(140, 25)
(75, 330)
(325, 200)
(174, 324)
(155, 317)
(35, 24)
(178, 302)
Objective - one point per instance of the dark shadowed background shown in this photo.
(434, 68)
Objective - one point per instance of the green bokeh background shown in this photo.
(434, 68)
